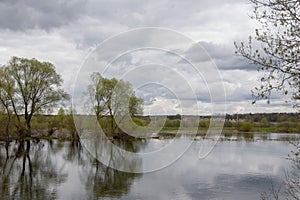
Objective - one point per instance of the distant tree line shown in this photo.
(257, 122)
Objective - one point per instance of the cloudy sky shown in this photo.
(68, 32)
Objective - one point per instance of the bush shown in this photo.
(204, 123)
(283, 127)
(229, 124)
(288, 127)
(264, 122)
(172, 123)
(244, 126)
(140, 122)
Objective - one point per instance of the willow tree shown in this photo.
(278, 52)
(114, 99)
(29, 86)
(6, 93)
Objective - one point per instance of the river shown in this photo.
(238, 167)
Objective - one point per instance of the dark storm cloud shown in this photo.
(28, 14)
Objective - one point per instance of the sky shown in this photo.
(70, 33)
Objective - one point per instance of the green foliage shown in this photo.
(229, 123)
(288, 127)
(105, 124)
(70, 124)
(264, 122)
(7, 126)
(27, 87)
(283, 118)
(283, 127)
(204, 123)
(172, 123)
(135, 106)
(244, 126)
(140, 122)
(60, 119)
(114, 99)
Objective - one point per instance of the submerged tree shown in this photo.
(113, 99)
(278, 54)
(29, 86)
(6, 93)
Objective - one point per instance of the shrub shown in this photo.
(245, 126)
(229, 124)
(204, 123)
(140, 122)
(172, 123)
(283, 127)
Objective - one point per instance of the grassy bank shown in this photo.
(62, 126)
(242, 127)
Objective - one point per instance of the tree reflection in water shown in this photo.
(100, 180)
(103, 181)
(35, 170)
(29, 171)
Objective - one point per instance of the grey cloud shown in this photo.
(110, 14)
(150, 92)
(179, 15)
(146, 13)
(74, 26)
(29, 14)
(222, 55)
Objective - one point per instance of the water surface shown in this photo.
(239, 167)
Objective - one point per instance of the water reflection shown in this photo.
(260, 136)
(102, 181)
(235, 169)
(28, 171)
(35, 170)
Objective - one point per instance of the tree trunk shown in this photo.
(7, 125)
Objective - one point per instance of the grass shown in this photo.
(269, 129)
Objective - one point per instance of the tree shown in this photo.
(135, 106)
(279, 52)
(61, 117)
(264, 122)
(113, 98)
(29, 86)
(70, 124)
(6, 93)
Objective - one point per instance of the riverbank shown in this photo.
(163, 134)
(39, 134)
(225, 130)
